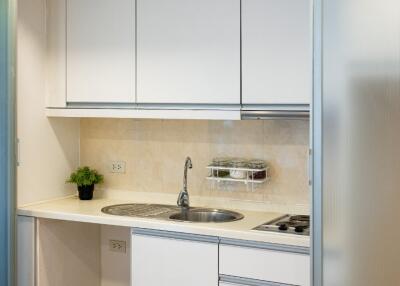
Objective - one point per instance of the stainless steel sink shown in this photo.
(169, 212)
(206, 215)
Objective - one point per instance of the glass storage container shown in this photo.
(221, 162)
(238, 174)
(257, 165)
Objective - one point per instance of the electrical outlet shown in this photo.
(117, 167)
(117, 245)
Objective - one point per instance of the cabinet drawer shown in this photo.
(264, 264)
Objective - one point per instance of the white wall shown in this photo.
(49, 148)
(115, 266)
(74, 253)
(68, 253)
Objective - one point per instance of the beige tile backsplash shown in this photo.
(155, 150)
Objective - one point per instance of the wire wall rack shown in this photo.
(250, 177)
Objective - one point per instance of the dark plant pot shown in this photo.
(86, 192)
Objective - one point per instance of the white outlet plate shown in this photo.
(117, 245)
(118, 167)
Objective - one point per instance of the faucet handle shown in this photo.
(183, 199)
(188, 162)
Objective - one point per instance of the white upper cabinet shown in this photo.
(188, 51)
(101, 51)
(276, 51)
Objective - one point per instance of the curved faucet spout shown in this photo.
(188, 165)
(183, 198)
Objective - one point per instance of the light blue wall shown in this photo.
(7, 201)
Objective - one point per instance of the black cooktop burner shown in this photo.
(305, 218)
(295, 224)
(292, 223)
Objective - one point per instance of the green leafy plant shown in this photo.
(84, 176)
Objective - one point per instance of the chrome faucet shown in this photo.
(183, 198)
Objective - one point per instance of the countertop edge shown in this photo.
(183, 227)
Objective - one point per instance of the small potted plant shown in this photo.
(85, 178)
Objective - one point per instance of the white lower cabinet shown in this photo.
(162, 258)
(50, 250)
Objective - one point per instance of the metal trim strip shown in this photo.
(144, 106)
(274, 114)
(285, 107)
(316, 147)
(241, 281)
(8, 12)
(175, 235)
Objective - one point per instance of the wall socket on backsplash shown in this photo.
(117, 167)
(117, 245)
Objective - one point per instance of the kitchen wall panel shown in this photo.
(155, 150)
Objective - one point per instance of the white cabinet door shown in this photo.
(188, 51)
(167, 261)
(277, 51)
(101, 51)
(263, 264)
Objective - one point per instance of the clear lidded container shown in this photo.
(258, 165)
(238, 163)
(221, 162)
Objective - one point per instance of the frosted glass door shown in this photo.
(360, 143)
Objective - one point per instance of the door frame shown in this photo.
(316, 159)
(7, 141)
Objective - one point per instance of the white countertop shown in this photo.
(73, 209)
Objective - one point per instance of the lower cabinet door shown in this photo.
(173, 259)
(273, 267)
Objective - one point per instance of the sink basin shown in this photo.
(206, 215)
(168, 212)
